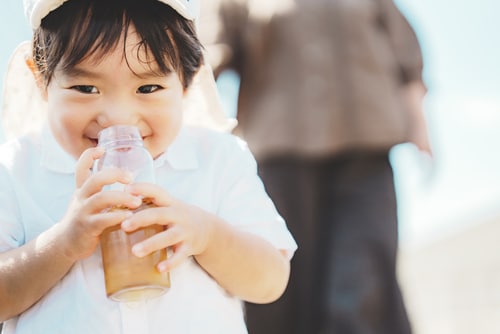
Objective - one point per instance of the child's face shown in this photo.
(97, 94)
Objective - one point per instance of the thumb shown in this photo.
(84, 164)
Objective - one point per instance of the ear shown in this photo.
(37, 76)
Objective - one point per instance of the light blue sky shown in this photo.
(462, 52)
(462, 186)
(460, 42)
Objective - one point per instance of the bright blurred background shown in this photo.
(462, 71)
(449, 206)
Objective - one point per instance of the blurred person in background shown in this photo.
(327, 88)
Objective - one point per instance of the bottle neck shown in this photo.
(120, 136)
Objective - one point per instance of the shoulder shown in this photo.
(18, 160)
(219, 151)
(216, 142)
(19, 151)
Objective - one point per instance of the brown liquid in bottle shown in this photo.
(128, 277)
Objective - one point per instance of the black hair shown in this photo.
(79, 29)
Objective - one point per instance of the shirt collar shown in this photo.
(181, 154)
(53, 156)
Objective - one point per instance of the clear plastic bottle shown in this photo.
(127, 277)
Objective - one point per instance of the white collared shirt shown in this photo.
(212, 170)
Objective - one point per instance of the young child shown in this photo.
(105, 62)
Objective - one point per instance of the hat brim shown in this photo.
(36, 10)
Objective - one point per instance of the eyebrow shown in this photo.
(77, 72)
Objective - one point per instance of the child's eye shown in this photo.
(148, 89)
(85, 89)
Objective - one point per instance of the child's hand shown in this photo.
(187, 228)
(86, 216)
(231, 256)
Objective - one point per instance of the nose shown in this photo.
(118, 111)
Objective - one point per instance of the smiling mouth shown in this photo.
(93, 141)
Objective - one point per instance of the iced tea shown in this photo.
(128, 277)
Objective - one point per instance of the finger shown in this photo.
(85, 162)
(153, 215)
(175, 258)
(158, 195)
(97, 223)
(158, 241)
(106, 177)
(112, 201)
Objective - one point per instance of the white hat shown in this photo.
(36, 10)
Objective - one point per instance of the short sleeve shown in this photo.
(245, 203)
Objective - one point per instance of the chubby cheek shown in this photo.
(67, 130)
(164, 133)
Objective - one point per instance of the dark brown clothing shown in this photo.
(320, 107)
(317, 76)
(342, 212)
